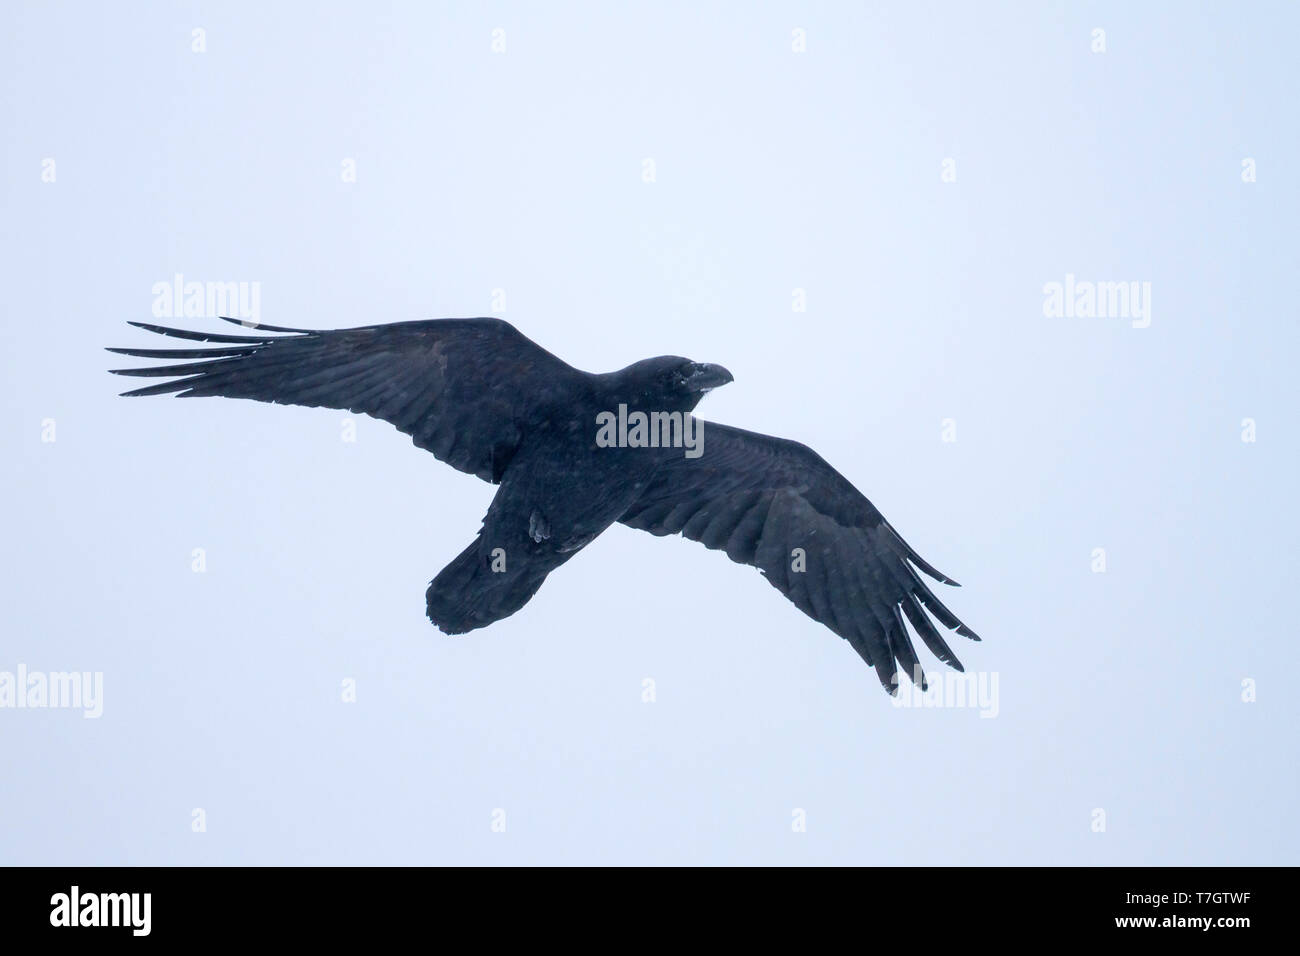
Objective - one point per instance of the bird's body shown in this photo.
(488, 401)
(559, 493)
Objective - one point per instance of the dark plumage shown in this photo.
(488, 401)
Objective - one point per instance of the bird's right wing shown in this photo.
(778, 506)
(463, 389)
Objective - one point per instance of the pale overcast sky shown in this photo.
(859, 210)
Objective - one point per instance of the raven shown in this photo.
(488, 401)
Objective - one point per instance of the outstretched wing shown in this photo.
(760, 498)
(463, 389)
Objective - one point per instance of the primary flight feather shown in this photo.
(488, 401)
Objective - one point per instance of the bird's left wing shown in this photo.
(778, 506)
(463, 389)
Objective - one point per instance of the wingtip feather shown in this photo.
(249, 324)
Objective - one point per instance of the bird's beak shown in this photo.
(704, 377)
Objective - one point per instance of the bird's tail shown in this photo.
(481, 586)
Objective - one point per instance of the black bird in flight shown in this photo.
(572, 456)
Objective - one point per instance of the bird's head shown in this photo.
(673, 384)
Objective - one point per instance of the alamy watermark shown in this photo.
(1085, 299)
(63, 690)
(179, 299)
(950, 690)
(626, 429)
(77, 908)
